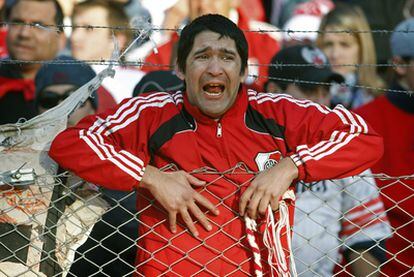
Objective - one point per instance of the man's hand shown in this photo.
(267, 188)
(174, 192)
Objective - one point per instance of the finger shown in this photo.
(274, 203)
(245, 198)
(189, 222)
(195, 181)
(172, 219)
(254, 204)
(195, 210)
(206, 203)
(264, 203)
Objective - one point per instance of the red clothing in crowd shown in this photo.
(3, 45)
(262, 47)
(16, 95)
(392, 116)
(113, 150)
(105, 100)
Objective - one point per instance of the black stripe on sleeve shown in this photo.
(178, 123)
(257, 122)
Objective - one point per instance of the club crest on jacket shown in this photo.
(267, 160)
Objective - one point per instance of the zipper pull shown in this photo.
(219, 130)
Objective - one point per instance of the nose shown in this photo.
(75, 34)
(215, 67)
(24, 30)
(333, 54)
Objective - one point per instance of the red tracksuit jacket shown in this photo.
(113, 149)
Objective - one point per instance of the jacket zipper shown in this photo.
(219, 130)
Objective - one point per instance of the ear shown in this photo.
(272, 87)
(244, 75)
(178, 72)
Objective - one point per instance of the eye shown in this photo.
(39, 24)
(327, 44)
(202, 57)
(42, 26)
(228, 58)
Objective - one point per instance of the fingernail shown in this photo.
(217, 212)
(196, 234)
(209, 228)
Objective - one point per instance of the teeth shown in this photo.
(212, 93)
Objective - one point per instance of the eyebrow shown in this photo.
(225, 50)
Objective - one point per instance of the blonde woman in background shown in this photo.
(346, 39)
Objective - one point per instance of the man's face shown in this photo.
(201, 7)
(91, 43)
(53, 95)
(33, 43)
(212, 73)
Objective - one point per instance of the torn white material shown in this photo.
(27, 144)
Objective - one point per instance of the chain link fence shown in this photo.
(54, 224)
(51, 222)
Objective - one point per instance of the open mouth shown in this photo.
(213, 89)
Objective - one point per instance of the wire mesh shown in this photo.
(52, 223)
(57, 221)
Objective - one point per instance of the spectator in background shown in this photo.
(302, 27)
(27, 43)
(383, 15)
(162, 80)
(55, 82)
(392, 116)
(262, 45)
(346, 40)
(98, 43)
(331, 217)
(57, 75)
(111, 243)
(279, 11)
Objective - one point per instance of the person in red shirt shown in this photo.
(392, 116)
(333, 218)
(263, 45)
(26, 46)
(216, 123)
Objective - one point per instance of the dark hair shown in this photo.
(217, 24)
(306, 88)
(58, 16)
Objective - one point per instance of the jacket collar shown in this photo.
(237, 110)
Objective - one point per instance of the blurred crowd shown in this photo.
(359, 54)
